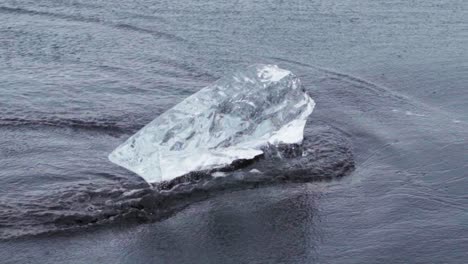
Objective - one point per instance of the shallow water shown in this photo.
(389, 79)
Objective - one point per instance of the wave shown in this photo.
(325, 154)
(149, 31)
(77, 18)
(109, 126)
(22, 11)
(360, 82)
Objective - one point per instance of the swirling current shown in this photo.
(379, 178)
(325, 154)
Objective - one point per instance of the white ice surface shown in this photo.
(229, 120)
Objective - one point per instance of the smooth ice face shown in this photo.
(226, 121)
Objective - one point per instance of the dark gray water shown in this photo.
(390, 80)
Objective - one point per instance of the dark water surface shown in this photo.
(390, 81)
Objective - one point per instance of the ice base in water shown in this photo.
(229, 120)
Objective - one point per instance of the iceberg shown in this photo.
(232, 119)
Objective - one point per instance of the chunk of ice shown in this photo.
(229, 120)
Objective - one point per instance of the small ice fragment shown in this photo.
(229, 120)
(255, 171)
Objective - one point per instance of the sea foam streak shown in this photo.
(229, 120)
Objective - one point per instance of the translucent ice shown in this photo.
(229, 120)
